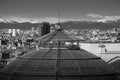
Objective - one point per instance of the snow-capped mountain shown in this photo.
(5, 20)
(31, 20)
(49, 19)
(28, 23)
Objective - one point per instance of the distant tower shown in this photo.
(45, 29)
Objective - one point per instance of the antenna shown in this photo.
(59, 16)
(58, 49)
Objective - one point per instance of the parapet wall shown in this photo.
(109, 51)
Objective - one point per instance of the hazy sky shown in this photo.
(70, 9)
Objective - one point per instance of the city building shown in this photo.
(45, 29)
(56, 61)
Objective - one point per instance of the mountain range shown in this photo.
(91, 25)
(66, 24)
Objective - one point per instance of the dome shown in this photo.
(58, 35)
(58, 64)
(71, 65)
(116, 64)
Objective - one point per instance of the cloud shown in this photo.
(101, 18)
(109, 18)
(112, 17)
(94, 15)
